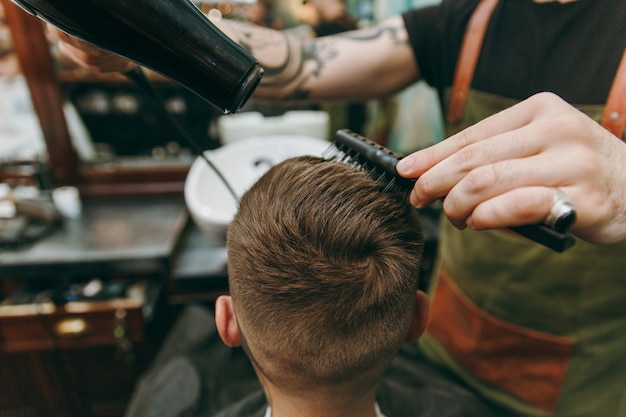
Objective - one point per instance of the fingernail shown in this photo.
(461, 225)
(413, 199)
(403, 165)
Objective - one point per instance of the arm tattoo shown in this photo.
(396, 33)
(260, 42)
(292, 71)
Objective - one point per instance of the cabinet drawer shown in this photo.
(45, 326)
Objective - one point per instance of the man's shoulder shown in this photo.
(413, 387)
(252, 405)
(445, 9)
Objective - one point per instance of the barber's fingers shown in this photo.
(489, 181)
(521, 191)
(531, 205)
(503, 122)
(87, 55)
(478, 160)
(527, 205)
(95, 63)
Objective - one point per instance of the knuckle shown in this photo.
(452, 209)
(464, 138)
(425, 186)
(546, 98)
(467, 156)
(527, 208)
(481, 179)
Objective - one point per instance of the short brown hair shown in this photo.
(323, 266)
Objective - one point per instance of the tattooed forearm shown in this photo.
(289, 69)
(280, 55)
(304, 61)
(397, 34)
(313, 68)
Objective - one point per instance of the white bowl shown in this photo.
(210, 203)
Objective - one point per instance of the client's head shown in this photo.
(323, 266)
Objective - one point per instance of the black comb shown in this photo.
(380, 162)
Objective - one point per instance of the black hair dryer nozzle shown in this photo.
(171, 37)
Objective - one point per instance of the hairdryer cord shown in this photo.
(139, 77)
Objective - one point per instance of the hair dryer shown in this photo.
(171, 37)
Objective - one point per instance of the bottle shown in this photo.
(171, 37)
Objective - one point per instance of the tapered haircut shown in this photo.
(323, 265)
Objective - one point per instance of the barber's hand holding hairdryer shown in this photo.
(503, 171)
(87, 55)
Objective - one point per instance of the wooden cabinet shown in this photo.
(77, 359)
(45, 326)
(69, 353)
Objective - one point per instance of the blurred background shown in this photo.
(98, 253)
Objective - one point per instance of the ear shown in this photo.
(226, 321)
(420, 317)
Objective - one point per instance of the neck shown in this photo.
(284, 405)
(552, 1)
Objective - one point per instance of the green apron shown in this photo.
(535, 331)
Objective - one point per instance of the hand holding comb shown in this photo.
(353, 149)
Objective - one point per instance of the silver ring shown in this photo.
(562, 214)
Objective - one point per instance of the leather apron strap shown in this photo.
(470, 49)
(613, 118)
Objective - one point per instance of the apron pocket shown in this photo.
(529, 365)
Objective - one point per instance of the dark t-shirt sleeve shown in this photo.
(572, 49)
(435, 34)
